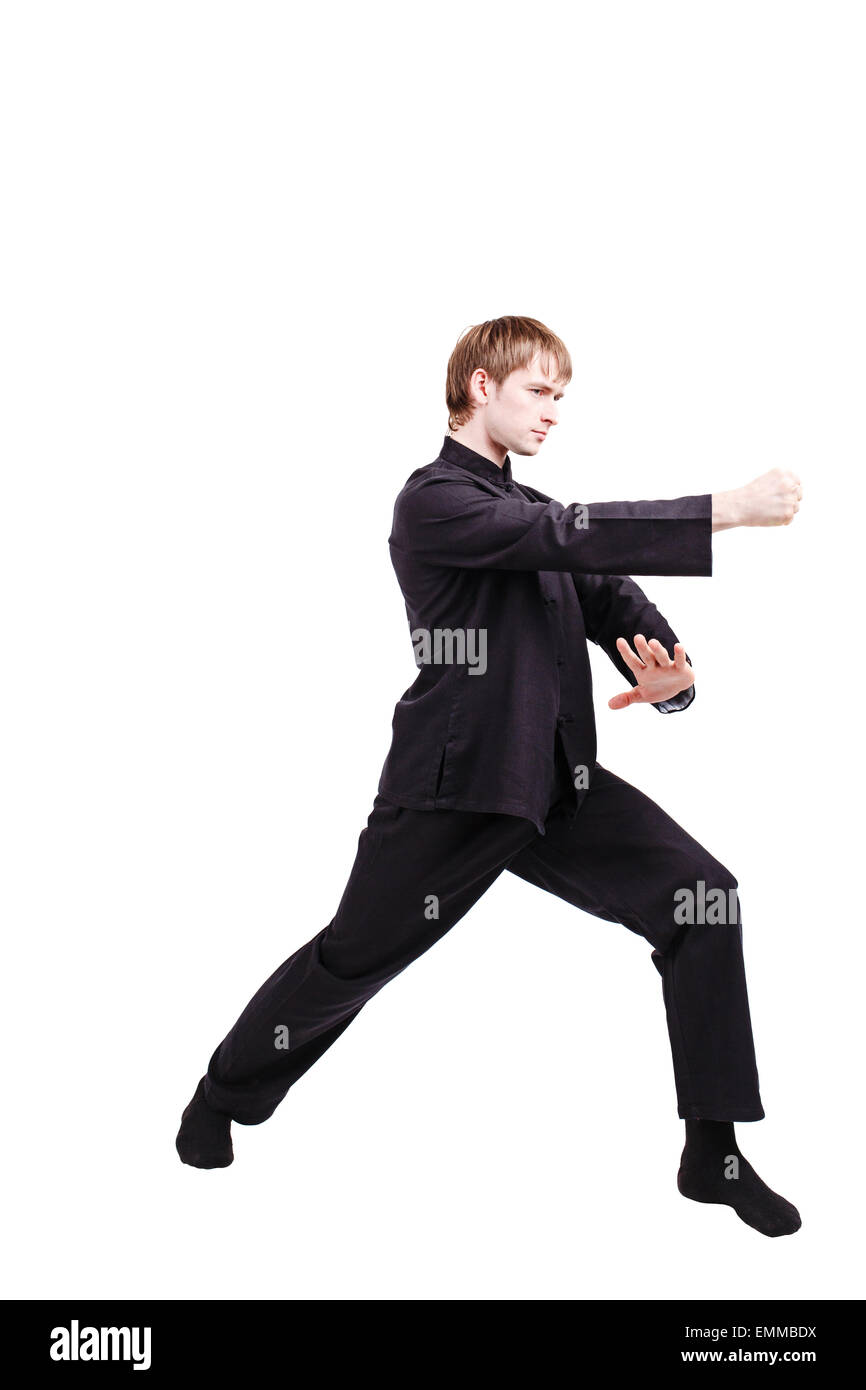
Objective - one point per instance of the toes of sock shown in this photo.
(783, 1222)
(204, 1151)
(197, 1159)
(204, 1137)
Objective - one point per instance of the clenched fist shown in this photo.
(771, 500)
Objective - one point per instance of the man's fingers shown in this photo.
(679, 656)
(659, 652)
(642, 647)
(631, 659)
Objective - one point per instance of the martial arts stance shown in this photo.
(493, 766)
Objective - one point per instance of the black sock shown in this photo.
(204, 1139)
(712, 1169)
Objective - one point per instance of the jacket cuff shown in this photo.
(679, 702)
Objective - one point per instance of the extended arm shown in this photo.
(453, 522)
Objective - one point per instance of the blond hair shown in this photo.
(500, 346)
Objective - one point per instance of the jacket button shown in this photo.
(509, 487)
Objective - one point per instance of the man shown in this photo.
(493, 765)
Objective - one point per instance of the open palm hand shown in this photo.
(659, 677)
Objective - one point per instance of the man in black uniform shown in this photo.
(493, 765)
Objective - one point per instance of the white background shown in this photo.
(241, 241)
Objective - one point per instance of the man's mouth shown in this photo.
(543, 433)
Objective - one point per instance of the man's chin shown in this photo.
(527, 448)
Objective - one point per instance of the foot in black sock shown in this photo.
(712, 1169)
(204, 1139)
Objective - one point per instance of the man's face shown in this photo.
(520, 412)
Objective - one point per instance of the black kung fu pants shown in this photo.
(622, 859)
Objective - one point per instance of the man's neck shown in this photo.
(480, 441)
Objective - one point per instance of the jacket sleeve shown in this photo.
(614, 606)
(454, 522)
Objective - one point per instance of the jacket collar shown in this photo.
(455, 452)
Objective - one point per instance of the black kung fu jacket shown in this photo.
(473, 550)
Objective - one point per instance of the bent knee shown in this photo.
(707, 893)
